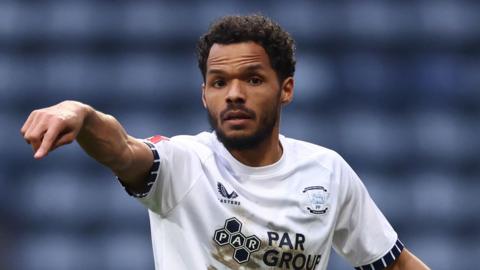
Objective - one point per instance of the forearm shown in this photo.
(408, 261)
(104, 139)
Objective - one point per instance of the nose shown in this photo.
(236, 93)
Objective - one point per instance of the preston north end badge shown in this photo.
(316, 199)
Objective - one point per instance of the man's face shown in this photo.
(242, 94)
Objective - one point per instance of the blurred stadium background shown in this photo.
(393, 86)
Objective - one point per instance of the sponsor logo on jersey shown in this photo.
(242, 245)
(228, 197)
(282, 250)
(316, 199)
(287, 251)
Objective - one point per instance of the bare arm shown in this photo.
(99, 134)
(408, 261)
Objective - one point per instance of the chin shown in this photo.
(245, 136)
(236, 133)
(239, 139)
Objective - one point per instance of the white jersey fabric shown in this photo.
(209, 211)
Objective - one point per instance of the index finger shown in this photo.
(48, 138)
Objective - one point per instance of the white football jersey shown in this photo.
(209, 211)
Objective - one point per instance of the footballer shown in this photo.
(242, 196)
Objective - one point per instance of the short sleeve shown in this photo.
(175, 169)
(362, 233)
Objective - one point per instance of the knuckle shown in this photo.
(58, 120)
(38, 112)
(46, 113)
(28, 137)
(50, 120)
(49, 115)
(32, 136)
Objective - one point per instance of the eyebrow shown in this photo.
(249, 68)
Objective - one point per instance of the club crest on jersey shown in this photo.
(228, 197)
(316, 199)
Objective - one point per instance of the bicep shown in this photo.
(407, 261)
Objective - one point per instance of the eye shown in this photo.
(218, 83)
(255, 81)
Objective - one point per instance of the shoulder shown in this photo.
(306, 151)
(200, 144)
(203, 139)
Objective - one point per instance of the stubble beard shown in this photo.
(264, 130)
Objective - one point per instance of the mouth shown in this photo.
(236, 117)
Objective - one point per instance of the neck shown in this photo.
(266, 153)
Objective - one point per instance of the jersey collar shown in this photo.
(258, 172)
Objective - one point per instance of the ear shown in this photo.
(204, 101)
(287, 90)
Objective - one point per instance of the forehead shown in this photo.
(237, 55)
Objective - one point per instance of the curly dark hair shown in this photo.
(278, 43)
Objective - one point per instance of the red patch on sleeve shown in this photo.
(157, 138)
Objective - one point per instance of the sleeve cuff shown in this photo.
(386, 260)
(152, 175)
